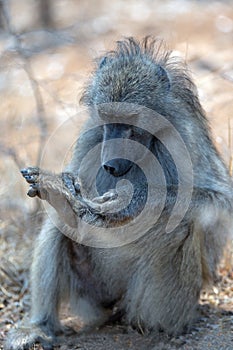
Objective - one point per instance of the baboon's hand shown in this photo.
(101, 204)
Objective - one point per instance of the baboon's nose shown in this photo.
(117, 167)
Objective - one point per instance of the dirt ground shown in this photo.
(42, 74)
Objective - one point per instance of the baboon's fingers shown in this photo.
(106, 197)
(70, 182)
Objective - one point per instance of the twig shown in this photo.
(34, 84)
(10, 151)
(8, 294)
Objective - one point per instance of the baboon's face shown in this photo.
(122, 134)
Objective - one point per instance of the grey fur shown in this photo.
(156, 279)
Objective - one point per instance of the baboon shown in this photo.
(154, 278)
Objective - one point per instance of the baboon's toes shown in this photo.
(77, 186)
(33, 190)
(23, 338)
(31, 178)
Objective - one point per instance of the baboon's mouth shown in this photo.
(124, 173)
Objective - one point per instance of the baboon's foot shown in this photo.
(59, 190)
(62, 191)
(43, 182)
(60, 187)
(24, 337)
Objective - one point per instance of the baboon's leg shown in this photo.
(55, 278)
(61, 274)
(49, 285)
(49, 277)
(164, 292)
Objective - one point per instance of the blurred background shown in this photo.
(47, 48)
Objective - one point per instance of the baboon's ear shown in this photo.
(163, 77)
